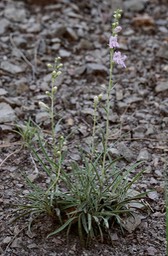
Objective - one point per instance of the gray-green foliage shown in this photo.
(95, 195)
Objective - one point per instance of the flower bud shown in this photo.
(49, 65)
(54, 72)
(96, 100)
(100, 96)
(60, 65)
(54, 89)
(59, 73)
(43, 105)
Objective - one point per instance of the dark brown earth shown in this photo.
(32, 34)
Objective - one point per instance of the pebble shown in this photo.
(134, 5)
(11, 68)
(161, 86)
(15, 14)
(42, 117)
(144, 155)
(7, 114)
(125, 152)
(17, 243)
(64, 53)
(163, 51)
(96, 68)
(4, 24)
(113, 152)
(3, 92)
(152, 251)
(7, 240)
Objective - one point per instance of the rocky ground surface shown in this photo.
(32, 34)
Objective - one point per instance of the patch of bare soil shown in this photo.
(32, 34)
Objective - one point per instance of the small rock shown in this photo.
(64, 53)
(3, 92)
(72, 34)
(88, 111)
(132, 222)
(133, 99)
(15, 14)
(125, 152)
(20, 41)
(158, 173)
(42, 117)
(162, 86)
(143, 155)
(84, 44)
(32, 246)
(7, 240)
(4, 23)
(7, 114)
(134, 5)
(11, 68)
(17, 243)
(113, 152)
(33, 177)
(153, 195)
(96, 68)
(163, 51)
(151, 251)
(21, 86)
(59, 30)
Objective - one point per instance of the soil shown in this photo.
(32, 34)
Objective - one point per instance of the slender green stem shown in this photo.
(108, 105)
(94, 130)
(52, 114)
(166, 203)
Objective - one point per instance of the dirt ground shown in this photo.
(32, 34)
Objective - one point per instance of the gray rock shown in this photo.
(17, 243)
(125, 152)
(144, 155)
(163, 51)
(7, 240)
(133, 99)
(162, 86)
(15, 14)
(3, 92)
(11, 68)
(4, 23)
(42, 117)
(71, 33)
(113, 152)
(153, 195)
(134, 5)
(7, 114)
(64, 53)
(96, 68)
(20, 41)
(132, 222)
(84, 44)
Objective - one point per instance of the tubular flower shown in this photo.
(113, 42)
(119, 59)
(117, 29)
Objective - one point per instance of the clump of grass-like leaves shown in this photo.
(95, 195)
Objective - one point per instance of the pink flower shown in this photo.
(113, 42)
(117, 29)
(119, 59)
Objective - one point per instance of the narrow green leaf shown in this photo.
(62, 227)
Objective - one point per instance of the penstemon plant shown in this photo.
(95, 195)
(115, 57)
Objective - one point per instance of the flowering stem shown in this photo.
(108, 105)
